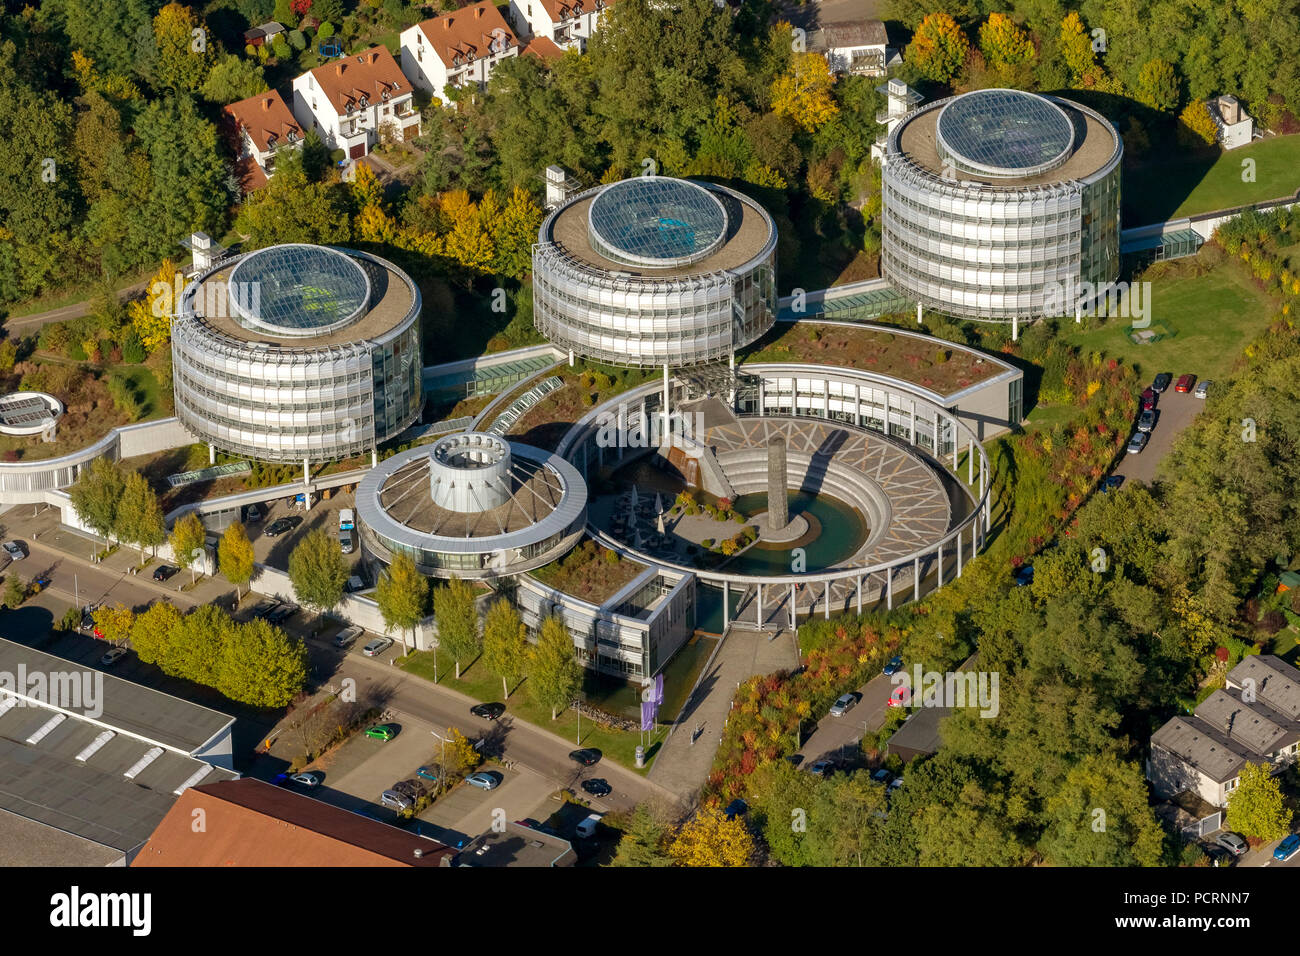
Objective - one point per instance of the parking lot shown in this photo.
(1174, 412)
(324, 514)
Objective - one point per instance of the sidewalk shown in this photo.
(682, 766)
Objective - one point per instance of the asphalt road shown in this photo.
(836, 738)
(1174, 412)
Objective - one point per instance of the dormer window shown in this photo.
(350, 108)
(365, 101)
(293, 136)
(270, 141)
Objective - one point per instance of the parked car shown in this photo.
(428, 773)
(282, 613)
(597, 787)
(382, 732)
(354, 584)
(377, 646)
(112, 657)
(265, 608)
(1025, 576)
(488, 711)
(895, 784)
(88, 617)
(308, 778)
(1287, 848)
(412, 788)
(1162, 382)
(347, 543)
(1234, 843)
(1185, 383)
(587, 756)
(1110, 483)
(1147, 420)
(345, 637)
(1202, 389)
(843, 704)
(15, 550)
(882, 776)
(822, 768)
(736, 808)
(164, 571)
(893, 667)
(1148, 399)
(484, 780)
(281, 525)
(1136, 443)
(586, 827)
(395, 800)
(253, 513)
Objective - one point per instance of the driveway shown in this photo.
(1174, 412)
(836, 737)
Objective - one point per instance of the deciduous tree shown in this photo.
(710, 839)
(139, 517)
(803, 92)
(235, 556)
(456, 616)
(505, 644)
(1256, 808)
(554, 677)
(938, 47)
(318, 570)
(188, 538)
(402, 593)
(97, 496)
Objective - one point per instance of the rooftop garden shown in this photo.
(589, 572)
(929, 362)
(585, 386)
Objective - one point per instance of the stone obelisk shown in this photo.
(778, 507)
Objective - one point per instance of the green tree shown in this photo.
(642, 843)
(1101, 817)
(15, 590)
(554, 677)
(196, 653)
(261, 665)
(109, 30)
(97, 496)
(184, 57)
(188, 538)
(139, 516)
(456, 616)
(155, 633)
(1076, 48)
(189, 191)
(235, 557)
(233, 78)
(318, 570)
(505, 644)
(291, 208)
(1256, 808)
(1157, 85)
(401, 593)
(710, 839)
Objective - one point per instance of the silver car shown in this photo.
(1137, 443)
(1147, 420)
(377, 646)
(843, 705)
(14, 550)
(1202, 389)
(396, 801)
(345, 637)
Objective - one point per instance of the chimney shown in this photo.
(339, 68)
(374, 57)
(266, 103)
(446, 24)
(478, 12)
(419, 854)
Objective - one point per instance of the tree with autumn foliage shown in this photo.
(710, 839)
(184, 56)
(1157, 85)
(1076, 50)
(938, 48)
(1004, 43)
(803, 92)
(514, 232)
(1196, 125)
(151, 317)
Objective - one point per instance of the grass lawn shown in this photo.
(1211, 317)
(1183, 185)
(481, 684)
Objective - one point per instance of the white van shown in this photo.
(587, 828)
(347, 539)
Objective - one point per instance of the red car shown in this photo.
(1148, 399)
(1185, 383)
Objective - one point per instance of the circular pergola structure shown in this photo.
(655, 271)
(298, 352)
(1001, 206)
(896, 461)
(29, 413)
(472, 504)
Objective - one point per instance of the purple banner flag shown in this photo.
(659, 689)
(648, 709)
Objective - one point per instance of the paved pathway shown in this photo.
(683, 766)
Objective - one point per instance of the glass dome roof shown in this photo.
(656, 221)
(1004, 133)
(297, 290)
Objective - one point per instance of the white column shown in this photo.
(857, 404)
(916, 578)
(889, 589)
(570, 358)
(887, 432)
(974, 541)
(940, 572)
(918, 313)
(760, 605)
(726, 601)
(828, 601)
(793, 606)
(911, 426)
(212, 454)
(665, 398)
(959, 553)
(970, 462)
(374, 457)
(938, 455)
(1015, 329)
(731, 383)
(859, 595)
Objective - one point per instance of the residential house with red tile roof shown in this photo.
(458, 49)
(351, 99)
(257, 128)
(566, 23)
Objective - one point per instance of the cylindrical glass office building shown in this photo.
(1001, 205)
(298, 352)
(653, 271)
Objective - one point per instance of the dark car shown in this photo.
(488, 711)
(893, 667)
(414, 789)
(1147, 420)
(587, 756)
(736, 808)
(1111, 483)
(163, 572)
(822, 768)
(597, 787)
(282, 613)
(1025, 576)
(88, 617)
(1148, 399)
(265, 608)
(1162, 382)
(280, 525)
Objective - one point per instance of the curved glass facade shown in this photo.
(293, 402)
(645, 319)
(997, 252)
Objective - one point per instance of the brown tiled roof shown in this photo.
(251, 823)
(251, 175)
(466, 33)
(855, 33)
(559, 10)
(544, 48)
(368, 74)
(263, 116)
